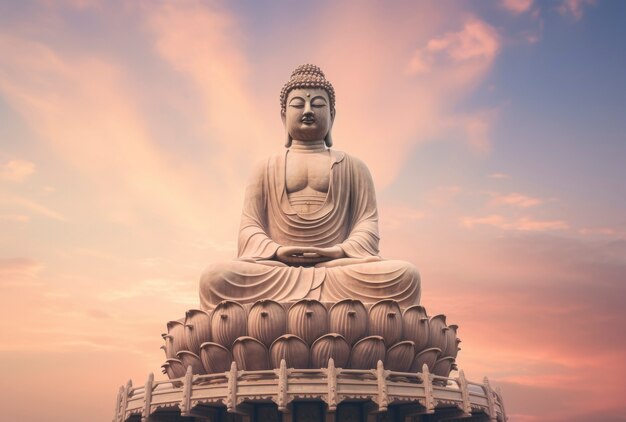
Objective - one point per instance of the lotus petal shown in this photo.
(174, 368)
(385, 320)
(215, 357)
(307, 319)
(250, 354)
(437, 337)
(457, 348)
(428, 357)
(267, 320)
(367, 352)
(443, 366)
(450, 349)
(168, 346)
(175, 338)
(228, 322)
(191, 359)
(400, 356)
(197, 329)
(293, 349)
(415, 326)
(349, 318)
(330, 346)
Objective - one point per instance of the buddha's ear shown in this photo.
(288, 138)
(328, 140)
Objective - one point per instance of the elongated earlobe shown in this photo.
(288, 138)
(328, 140)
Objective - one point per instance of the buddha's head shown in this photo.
(307, 105)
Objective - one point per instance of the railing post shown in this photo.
(467, 408)
(331, 374)
(185, 401)
(428, 390)
(282, 386)
(499, 391)
(118, 404)
(381, 379)
(126, 394)
(492, 408)
(231, 395)
(147, 400)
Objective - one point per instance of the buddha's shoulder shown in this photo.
(262, 166)
(348, 159)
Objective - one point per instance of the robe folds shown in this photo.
(348, 218)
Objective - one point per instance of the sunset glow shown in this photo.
(495, 133)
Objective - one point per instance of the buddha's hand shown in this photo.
(298, 255)
(333, 252)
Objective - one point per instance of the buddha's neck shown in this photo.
(308, 146)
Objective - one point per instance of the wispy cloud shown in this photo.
(25, 204)
(520, 224)
(574, 8)
(16, 170)
(19, 271)
(498, 176)
(514, 199)
(517, 6)
(476, 41)
(20, 218)
(180, 291)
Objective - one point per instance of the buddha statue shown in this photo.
(309, 226)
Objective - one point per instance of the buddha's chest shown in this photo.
(307, 172)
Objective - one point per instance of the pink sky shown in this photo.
(127, 131)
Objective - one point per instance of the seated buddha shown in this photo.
(309, 227)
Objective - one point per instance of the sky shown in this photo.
(494, 131)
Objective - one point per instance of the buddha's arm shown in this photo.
(362, 242)
(253, 242)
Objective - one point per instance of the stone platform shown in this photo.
(311, 395)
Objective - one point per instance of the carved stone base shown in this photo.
(324, 394)
(306, 334)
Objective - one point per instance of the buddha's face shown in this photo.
(308, 116)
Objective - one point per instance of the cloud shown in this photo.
(204, 43)
(498, 176)
(574, 8)
(62, 96)
(476, 41)
(16, 170)
(519, 224)
(181, 291)
(10, 200)
(21, 218)
(538, 314)
(441, 196)
(427, 72)
(477, 128)
(515, 200)
(19, 271)
(602, 232)
(517, 6)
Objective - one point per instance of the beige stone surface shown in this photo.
(309, 226)
(307, 333)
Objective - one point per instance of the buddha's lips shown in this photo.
(308, 120)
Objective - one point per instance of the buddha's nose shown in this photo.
(307, 108)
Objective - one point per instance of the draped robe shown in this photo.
(348, 218)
